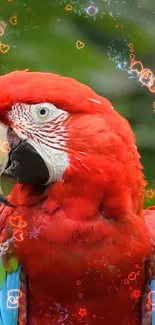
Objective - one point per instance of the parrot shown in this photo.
(76, 246)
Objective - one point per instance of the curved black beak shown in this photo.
(21, 160)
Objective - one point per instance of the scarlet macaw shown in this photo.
(75, 248)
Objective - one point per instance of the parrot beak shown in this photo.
(4, 158)
(20, 160)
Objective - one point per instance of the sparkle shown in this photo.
(91, 10)
(136, 293)
(94, 100)
(119, 66)
(34, 233)
(82, 312)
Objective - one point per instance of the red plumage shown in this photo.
(91, 224)
(37, 87)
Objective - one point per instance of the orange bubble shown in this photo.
(147, 72)
(13, 20)
(137, 67)
(69, 7)
(4, 48)
(130, 45)
(5, 147)
(145, 182)
(132, 276)
(1, 31)
(78, 282)
(15, 221)
(146, 75)
(80, 45)
(151, 302)
(152, 85)
(18, 235)
(132, 57)
(126, 281)
(22, 224)
(2, 24)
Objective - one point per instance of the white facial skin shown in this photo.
(4, 150)
(42, 126)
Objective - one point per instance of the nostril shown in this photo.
(13, 138)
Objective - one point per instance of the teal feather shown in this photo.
(8, 315)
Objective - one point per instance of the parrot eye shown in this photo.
(43, 112)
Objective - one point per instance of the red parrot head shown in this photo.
(62, 134)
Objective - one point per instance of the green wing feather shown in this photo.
(12, 264)
(8, 263)
(2, 274)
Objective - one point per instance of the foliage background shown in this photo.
(44, 39)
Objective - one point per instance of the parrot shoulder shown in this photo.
(8, 262)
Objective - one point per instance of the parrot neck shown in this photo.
(85, 191)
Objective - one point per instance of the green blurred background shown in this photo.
(44, 39)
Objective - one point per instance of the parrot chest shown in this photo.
(84, 272)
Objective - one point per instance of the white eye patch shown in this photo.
(45, 112)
